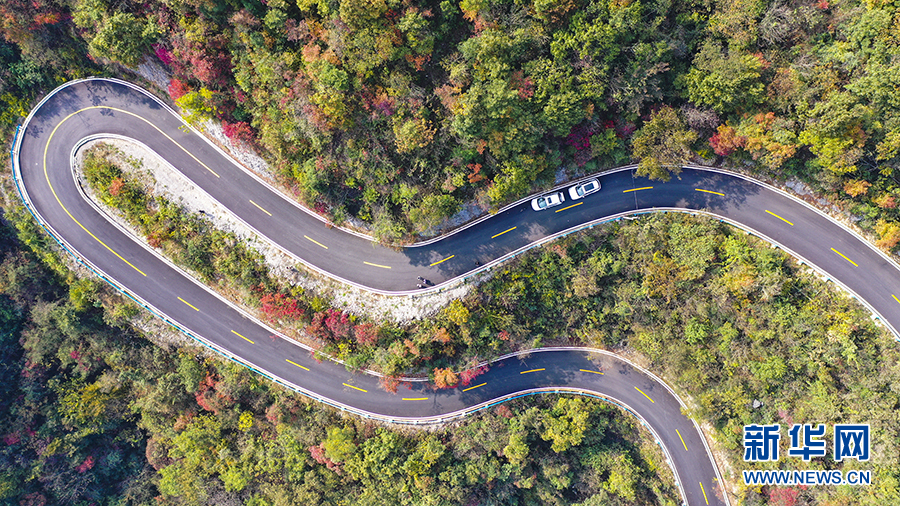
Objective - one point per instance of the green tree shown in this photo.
(516, 450)
(877, 86)
(725, 80)
(563, 111)
(124, 38)
(457, 312)
(835, 131)
(516, 177)
(196, 450)
(89, 14)
(197, 105)
(414, 25)
(190, 371)
(490, 110)
(566, 424)
(379, 457)
(83, 293)
(737, 20)
(84, 404)
(426, 455)
(432, 211)
(662, 145)
(641, 80)
(412, 133)
(623, 477)
(339, 444)
(360, 13)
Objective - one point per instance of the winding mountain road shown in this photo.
(42, 160)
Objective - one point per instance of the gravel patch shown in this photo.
(243, 154)
(469, 211)
(802, 190)
(154, 71)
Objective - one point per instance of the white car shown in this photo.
(547, 200)
(584, 189)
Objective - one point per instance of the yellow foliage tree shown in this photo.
(445, 378)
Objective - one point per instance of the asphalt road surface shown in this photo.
(85, 108)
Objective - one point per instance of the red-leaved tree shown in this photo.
(178, 89)
(366, 333)
(239, 132)
(318, 454)
(468, 375)
(280, 306)
(389, 383)
(338, 322)
(726, 140)
(779, 496)
(317, 328)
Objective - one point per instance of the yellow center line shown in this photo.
(260, 208)
(845, 258)
(415, 398)
(780, 218)
(594, 372)
(472, 388)
(570, 207)
(501, 233)
(315, 241)
(154, 127)
(376, 265)
(52, 190)
(129, 114)
(355, 388)
(296, 364)
(242, 337)
(895, 298)
(638, 189)
(708, 191)
(188, 303)
(532, 370)
(645, 395)
(682, 440)
(704, 493)
(444, 260)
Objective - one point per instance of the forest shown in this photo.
(393, 115)
(726, 321)
(94, 413)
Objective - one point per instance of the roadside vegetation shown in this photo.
(93, 413)
(724, 318)
(398, 114)
(96, 408)
(235, 269)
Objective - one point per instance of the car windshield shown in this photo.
(579, 190)
(542, 202)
